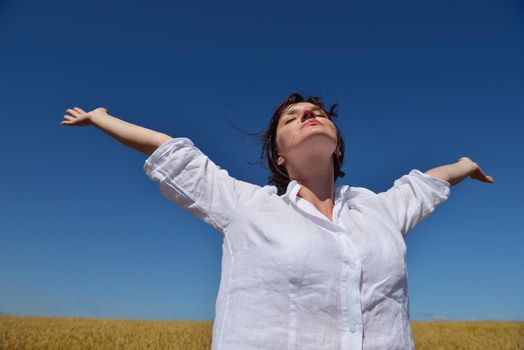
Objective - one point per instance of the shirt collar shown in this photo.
(293, 187)
(292, 190)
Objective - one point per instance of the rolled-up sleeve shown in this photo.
(414, 197)
(191, 180)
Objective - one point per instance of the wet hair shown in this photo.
(280, 177)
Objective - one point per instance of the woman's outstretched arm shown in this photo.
(142, 139)
(458, 171)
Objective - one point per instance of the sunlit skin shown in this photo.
(305, 150)
(307, 153)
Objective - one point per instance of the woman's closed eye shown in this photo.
(318, 115)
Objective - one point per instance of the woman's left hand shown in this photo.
(477, 173)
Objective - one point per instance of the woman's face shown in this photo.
(298, 140)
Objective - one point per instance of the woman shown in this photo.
(305, 264)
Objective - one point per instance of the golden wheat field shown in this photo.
(18, 332)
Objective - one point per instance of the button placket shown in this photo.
(344, 276)
(344, 303)
(353, 312)
(318, 217)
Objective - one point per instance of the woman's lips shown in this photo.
(310, 122)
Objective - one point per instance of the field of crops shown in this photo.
(82, 333)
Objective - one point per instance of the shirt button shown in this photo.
(352, 328)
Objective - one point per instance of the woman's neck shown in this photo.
(317, 185)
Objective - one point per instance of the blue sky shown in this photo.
(85, 233)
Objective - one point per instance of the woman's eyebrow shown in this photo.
(294, 111)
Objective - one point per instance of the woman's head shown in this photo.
(289, 139)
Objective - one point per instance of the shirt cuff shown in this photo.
(152, 162)
(442, 187)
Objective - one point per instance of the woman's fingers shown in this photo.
(485, 177)
(73, 112)
(67, 120)
(481, 176)
(76, 111)
(76, 116)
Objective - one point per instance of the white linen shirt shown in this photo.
(291, 278)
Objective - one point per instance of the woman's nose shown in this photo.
(308, 114)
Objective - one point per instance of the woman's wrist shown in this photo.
(467, 165)
(97, 118)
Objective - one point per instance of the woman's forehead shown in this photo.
(300, 106)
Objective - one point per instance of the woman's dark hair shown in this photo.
(280, 177)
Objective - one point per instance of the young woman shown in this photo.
(305, 264)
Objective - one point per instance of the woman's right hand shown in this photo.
(78, 117)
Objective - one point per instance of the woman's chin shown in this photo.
(316, 152)
(315, 139)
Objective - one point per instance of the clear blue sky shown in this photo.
(84, 232)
